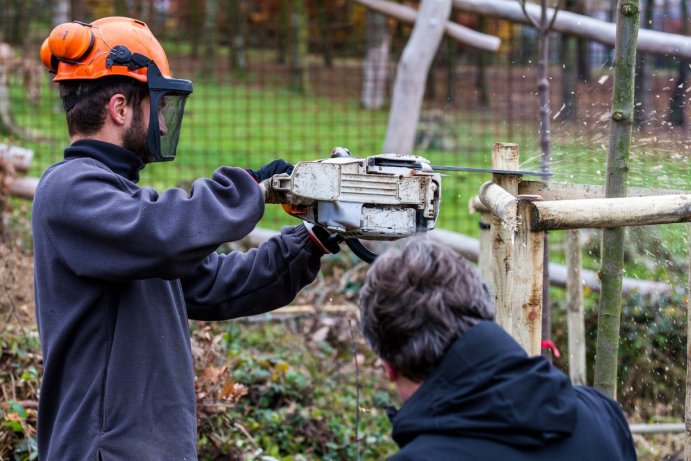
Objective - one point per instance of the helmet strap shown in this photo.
(83, 90)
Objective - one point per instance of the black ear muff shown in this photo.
(54, 63)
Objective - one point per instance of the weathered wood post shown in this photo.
(526, 277)
(515, 262)
(504, 156)
(575, 317)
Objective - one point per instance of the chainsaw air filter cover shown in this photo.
(382, 197)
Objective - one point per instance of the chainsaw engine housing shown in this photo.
(381, 197)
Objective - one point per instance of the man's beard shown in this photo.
(134, 138)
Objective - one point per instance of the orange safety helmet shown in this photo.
(80, 51)
(119, 46)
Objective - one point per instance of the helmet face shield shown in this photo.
(167, 97)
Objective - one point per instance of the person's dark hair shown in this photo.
(89, 113)
(416, 301)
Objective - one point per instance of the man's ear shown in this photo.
(118, 108)
(391, 373)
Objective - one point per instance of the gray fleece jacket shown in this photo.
(119, 270)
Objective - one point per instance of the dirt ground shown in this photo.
(16, 285)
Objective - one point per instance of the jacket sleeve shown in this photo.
(262, 279)
(106, 227)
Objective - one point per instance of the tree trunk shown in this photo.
(677, 102)
(569, 78)
(194, 23)
(376, 67)
(411, 75)
(325, 33)
(583, 47)
(15, 21)
(238, 53)
(299, 36)
(59, 12)
(78, 10)
(612, 249)
(210, 38)
(451, 84)
(120, 8)
(481, 66)
(642, 83)
(283, 31)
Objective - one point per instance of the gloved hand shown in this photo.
(327, 241)
(270, 169)
(272, 195)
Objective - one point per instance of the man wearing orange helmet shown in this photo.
(120, 268)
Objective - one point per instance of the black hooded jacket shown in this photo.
(488, 400)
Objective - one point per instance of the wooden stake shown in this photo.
(504, 157)
(575, 318)
(524, 273)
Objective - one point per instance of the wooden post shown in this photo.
(515, 259)
(574, 319)
(505, 157)
(524, 281)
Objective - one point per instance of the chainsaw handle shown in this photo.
(361, 251)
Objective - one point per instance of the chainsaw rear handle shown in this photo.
(329, 242)
(361, 251)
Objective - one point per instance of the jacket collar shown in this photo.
(118, 159)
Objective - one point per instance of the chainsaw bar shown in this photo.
(418, 166)
(543, 174)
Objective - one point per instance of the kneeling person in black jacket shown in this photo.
(470, 392)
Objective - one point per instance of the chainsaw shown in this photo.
(380, 197)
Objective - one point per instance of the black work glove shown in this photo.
(327, 241)
(271, 169)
